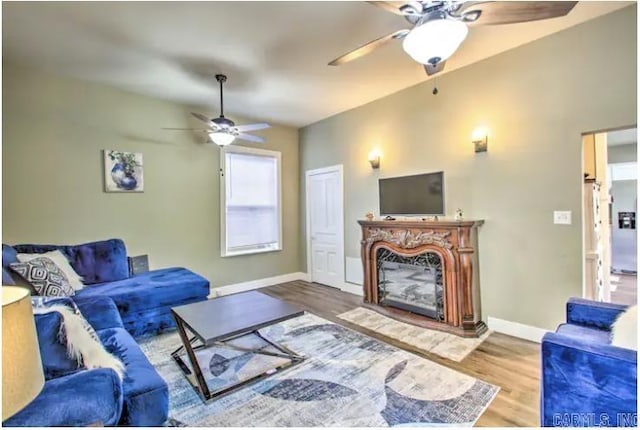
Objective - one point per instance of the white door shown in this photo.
(325, 229)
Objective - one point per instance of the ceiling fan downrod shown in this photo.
(221, 79)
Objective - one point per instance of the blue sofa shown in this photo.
(586, 381)
(119, 307)
(80, 397)
(144, 300)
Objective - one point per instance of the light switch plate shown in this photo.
(562, 217)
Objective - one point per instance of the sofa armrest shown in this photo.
(593, 314)
(100, 311)
(586, 384)
(89, 397)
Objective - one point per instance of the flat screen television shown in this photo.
(412, 195)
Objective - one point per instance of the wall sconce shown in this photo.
(374, 159)
(480, 139)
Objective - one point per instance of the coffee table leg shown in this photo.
(186, 342)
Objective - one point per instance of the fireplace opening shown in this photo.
(413, 284)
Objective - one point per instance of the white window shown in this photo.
(251, 215)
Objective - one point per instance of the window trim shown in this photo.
(223, 199)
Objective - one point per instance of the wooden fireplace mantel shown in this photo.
(456, 242)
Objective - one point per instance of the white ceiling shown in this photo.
(275, 53)
(622, 137)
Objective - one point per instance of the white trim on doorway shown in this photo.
(339, 169)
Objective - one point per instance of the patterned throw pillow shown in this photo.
(45, 276)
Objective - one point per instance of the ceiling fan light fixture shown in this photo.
(222, 138)
(435, 40)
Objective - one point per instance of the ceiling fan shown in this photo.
(222, 131)
(439, 27)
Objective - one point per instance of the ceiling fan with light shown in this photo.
(222, 131)
(439, 27)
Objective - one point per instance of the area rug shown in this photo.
(445, 345)
(348, 380)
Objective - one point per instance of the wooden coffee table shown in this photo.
(217, 321)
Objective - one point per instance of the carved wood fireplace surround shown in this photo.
(455, 242)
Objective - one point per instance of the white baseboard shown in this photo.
(516, 329)
(258, 283)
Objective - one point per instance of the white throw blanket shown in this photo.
(81, 346)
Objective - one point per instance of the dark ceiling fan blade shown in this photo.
(250, 138)
(187, 129)
(511, 12)
(432, 70)
(368, 47)
(201, 117)
(252, 127)
(389, 6)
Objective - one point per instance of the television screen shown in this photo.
(412, 195)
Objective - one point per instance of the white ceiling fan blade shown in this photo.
(187, 129)
(368, 47)
(250, 138)
(252, 127)
(511, 12)
(201, 117)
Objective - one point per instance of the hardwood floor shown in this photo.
(510, 363)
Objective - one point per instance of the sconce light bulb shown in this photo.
(479, 133)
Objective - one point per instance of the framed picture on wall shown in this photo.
(123, 172)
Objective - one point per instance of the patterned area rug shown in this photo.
(445, 345)
(348, 380)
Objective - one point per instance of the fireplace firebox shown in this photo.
(411, 283)
(424, 273)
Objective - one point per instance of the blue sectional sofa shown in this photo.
(119, 307)
(80, 397)
(144, 301)
(587, 382)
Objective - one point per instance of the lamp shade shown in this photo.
(435, 40)
(22, 375)
(222, 138)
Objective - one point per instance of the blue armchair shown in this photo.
(585, 380)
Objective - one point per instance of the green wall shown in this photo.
(536, 100)
(54, 130)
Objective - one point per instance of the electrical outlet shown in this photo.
(562, 217)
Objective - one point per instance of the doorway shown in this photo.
(623, 191)
(609, 211)
(325, 225)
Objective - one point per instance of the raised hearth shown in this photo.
(424, 273)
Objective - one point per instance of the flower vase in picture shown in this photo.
(458, 215)
(123, 171)
(369, 216)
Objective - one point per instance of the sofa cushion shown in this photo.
(151, 322)
(6, 278)
(95, 262)
(45, 276)
(89, 397)
(586, 334)
(150, 290)
(9, 255)
(146, 395)
(100, 311)
(53, 351)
